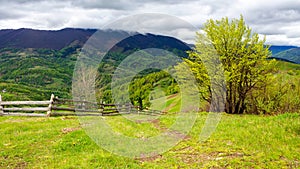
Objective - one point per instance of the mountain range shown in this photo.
(56, 40)
(59, 39)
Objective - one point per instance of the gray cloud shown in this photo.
(154, 23)
(8, 15)
(277, 19)
(104, 4)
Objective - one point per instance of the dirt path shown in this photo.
(169, 107)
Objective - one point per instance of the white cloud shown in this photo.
(282, 40)
(277, 19)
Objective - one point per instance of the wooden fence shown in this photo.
(66, 107)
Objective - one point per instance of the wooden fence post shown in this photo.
(1, 107)
(128, 105)
(102, 108)
(83, 106)
(50, 105)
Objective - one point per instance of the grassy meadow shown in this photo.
(240, 141)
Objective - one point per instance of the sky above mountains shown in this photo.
(278, 20)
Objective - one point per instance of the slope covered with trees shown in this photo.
(36, 63)
(36, 73)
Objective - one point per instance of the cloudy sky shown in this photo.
(279, 20)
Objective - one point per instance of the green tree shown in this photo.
(243, 56)
(139, 92)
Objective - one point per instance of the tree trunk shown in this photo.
(140, 102)
(229, 100)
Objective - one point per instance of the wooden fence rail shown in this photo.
(30, 106)
(62, 107)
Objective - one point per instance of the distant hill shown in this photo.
(277, 49)
(291, 55)
(29, 38)
(144, 41)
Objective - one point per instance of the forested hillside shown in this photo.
(36, 63)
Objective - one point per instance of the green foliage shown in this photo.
(281, 94)
(243, 56)
(139, 92)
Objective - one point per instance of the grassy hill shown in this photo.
(287, 66)
(169, 103)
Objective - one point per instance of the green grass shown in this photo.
(287, 66)
(168, 103)
(245, 141)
